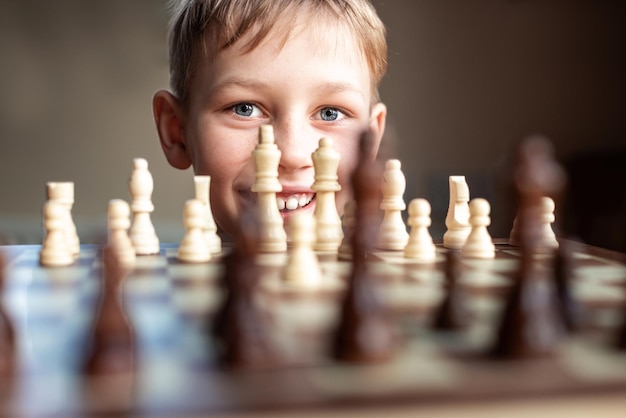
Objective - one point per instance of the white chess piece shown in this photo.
(479, 243)
(142, 233)
(118, 221)
(54, 251)
(328, 224)
(349, 223)
(392, 234)
(457, 219)
(194, 247)
(202, 188)
(63, 192)
(302, 269)
(548, 238)
(420, 245)
(266, 156)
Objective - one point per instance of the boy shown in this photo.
(310, 68)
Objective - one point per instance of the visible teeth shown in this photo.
(292, 203)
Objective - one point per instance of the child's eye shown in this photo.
(247, 110)
(331, 114)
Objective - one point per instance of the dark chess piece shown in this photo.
(620, 338)
(364, 334)
(7, 333)
(453, 313)
(112, 348)
(238, 327)
(568, 307)
(530, 325)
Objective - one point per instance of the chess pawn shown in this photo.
(302, 269)
(420, 246)
(479, 243)
(118, 219)
(548, 239)
(63, 192)
(54, 251)
(194, 247)
(202, 187)
(266, 156)
(142, 232)
(349, 222)
(392, 233)
(457, 219)
(328, 224)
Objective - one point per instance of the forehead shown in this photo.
(326, 46)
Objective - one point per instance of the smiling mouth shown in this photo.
(293, 201)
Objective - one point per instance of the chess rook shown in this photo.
(479, 243)
(457, 219)
(118, 221)
(142, 233)
(420, 246)
(63, 192)
(266, 156)
(202, 189)
(328, 224)
(392, 233)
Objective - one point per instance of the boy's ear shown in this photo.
(169, 118)
(378, 119)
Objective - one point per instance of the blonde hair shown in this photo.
(203, 28)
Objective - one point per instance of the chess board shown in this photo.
(171, 304)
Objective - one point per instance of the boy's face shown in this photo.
(315, 85)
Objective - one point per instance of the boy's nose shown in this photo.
(296, 144)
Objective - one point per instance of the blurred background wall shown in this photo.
(466, 80)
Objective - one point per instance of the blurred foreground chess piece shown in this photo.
(7, 332)
(112, 349)
(563, 272)
(364, 333)
(238, 326)
(453, 313)
(530, 325)
(348, 223)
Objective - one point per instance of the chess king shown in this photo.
(309, 69)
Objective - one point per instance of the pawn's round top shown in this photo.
(419, 207)
(393, 165)
(140, 163)
(479, 207)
